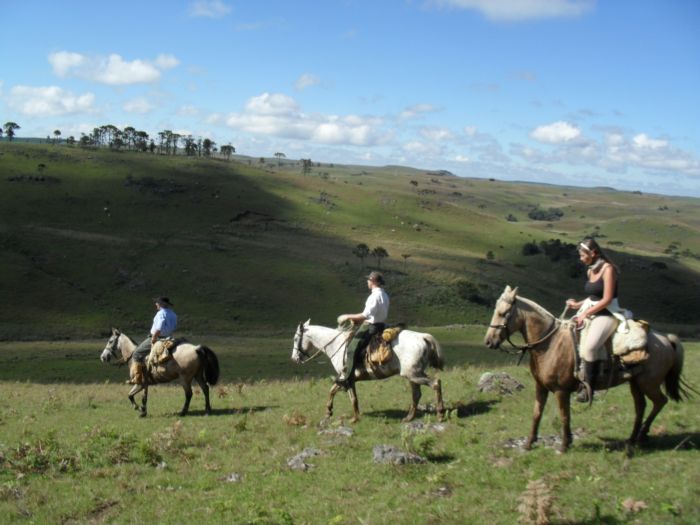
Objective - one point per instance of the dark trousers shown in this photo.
(359, 343)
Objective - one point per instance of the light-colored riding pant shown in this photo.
(593, 338)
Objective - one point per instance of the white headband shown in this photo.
(582, 246)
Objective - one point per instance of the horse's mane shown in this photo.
(536, 307)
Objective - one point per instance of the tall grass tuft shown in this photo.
(536, 504)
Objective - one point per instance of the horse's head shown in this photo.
(503, 322)
(300, 347)
(112, 349)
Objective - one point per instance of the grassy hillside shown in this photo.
(88, 237)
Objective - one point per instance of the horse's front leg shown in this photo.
(541, 394)
(415, 398)
(132, 397)
(355, 404)
(564, 400)
(331, 395)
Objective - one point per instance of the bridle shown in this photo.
(112, 345)
(299, 336)
(529, 345)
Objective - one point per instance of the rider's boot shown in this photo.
(136, 371)
(586, 389)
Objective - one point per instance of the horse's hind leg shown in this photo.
(416, 394)
(436, 385)
(639, 407)
(541, 394)
(205, 390)
(187, 387)
(659, 400)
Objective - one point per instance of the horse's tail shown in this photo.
(435, 357)
(211, 364)
(676, 387)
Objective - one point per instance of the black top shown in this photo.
(596, 289)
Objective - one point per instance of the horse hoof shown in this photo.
(142, 414)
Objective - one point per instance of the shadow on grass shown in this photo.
(230, 411)
(473, 408)
(663, 442)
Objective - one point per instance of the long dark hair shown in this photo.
(590, 245)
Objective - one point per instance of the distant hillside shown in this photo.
(88, 237)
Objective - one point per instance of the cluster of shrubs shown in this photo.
(556, 251)
(551, 214)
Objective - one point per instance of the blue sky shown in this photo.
(575, 92)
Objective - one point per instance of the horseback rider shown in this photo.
(164, 324)
(373, 318)
(599, 307)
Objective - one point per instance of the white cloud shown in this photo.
(112, 70)
(49, 101)
(461, 158)
(642, 141)
(116, 71)
(416, 110)
(515, 10)
(138, 105)
(209, 8)
(306, 80)
(470, 131)
(63, 61)
(279, 115)
(556, 133)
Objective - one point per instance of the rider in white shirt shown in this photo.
(164, 324)
(374, 314)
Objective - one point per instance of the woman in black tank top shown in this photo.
(601, 289)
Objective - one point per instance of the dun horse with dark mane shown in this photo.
(552, 351)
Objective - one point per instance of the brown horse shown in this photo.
(188, 362)
(552, 349)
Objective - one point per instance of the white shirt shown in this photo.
(165, 321)
(377, 306)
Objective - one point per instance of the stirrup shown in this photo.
(585, 393)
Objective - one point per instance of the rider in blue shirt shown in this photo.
(164, 324)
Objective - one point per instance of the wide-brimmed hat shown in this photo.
(163, 301)
(376, 277)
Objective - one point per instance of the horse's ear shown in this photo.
(515, 291)
(307, 323)
(115, 331)
(507, 290)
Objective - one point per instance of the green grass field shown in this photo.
(73, 451)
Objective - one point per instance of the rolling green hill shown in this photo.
(87, 237)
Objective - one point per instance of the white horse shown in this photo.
(412, 353)
(189, 362)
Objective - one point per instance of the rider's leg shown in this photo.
(593, 353)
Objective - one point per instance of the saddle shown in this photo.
(162, 351)
(626, 348)
(379, 348)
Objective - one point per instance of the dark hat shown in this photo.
(376, 277)
(163, 301)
